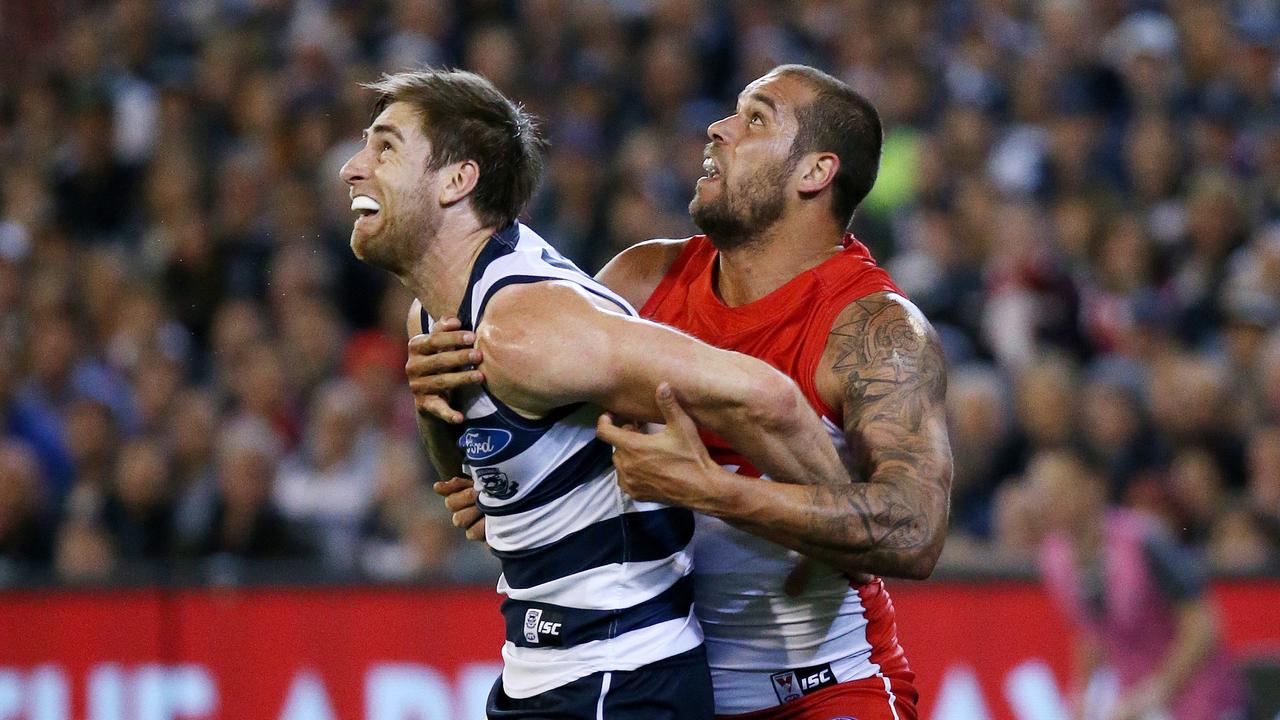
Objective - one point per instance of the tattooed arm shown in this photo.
(883, 368)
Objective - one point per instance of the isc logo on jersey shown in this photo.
(535, 628)
(794, 684)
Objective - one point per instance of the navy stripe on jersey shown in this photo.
(630, 537)
(595, 458)
(572, 626)
(501, 243)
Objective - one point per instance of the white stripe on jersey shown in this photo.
(585, 505)
(529, 671)
(606, 588)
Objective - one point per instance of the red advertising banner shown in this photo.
(981, 650)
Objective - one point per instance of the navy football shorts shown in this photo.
(677, 688)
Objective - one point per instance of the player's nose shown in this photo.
(720, 130)
(354, 169)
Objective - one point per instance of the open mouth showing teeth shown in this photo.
(709, 167)
(365, 205)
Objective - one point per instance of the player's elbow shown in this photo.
(772, 403)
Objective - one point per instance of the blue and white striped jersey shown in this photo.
(594, 580)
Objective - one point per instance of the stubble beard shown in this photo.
(738, 218)
(401, 242)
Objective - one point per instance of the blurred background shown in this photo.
(200, 386)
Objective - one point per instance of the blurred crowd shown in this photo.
(1083, 195)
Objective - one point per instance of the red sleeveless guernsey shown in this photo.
(764, 647)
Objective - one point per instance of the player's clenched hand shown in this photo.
(671, 466)
(439, 363)
(460, 497)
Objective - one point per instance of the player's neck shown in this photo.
(753, 270)
(440, 277)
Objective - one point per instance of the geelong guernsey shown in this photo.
(594, 580)
(761, 643)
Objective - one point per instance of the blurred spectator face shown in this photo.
(238, 326)
(1152, 157)
(1187, 397)
(1237, 543)
(313, 335)
(261, 387)
(84, 552)
(52, 354)
(1045, 403)
(1213, 216)
(1111, 419)
(336, 418)
(1196, 484)
(1264, 470)
(978, 419)
(91, 432)
(494, 52)
(1269, 376)
(431, 538)
(142, 477)
(246, 468)
(1069, 496)
(1125, 256)
(753, 170)
(158, 381)
(192, 428)
(401, 474)
(19, 487)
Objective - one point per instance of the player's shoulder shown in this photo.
(635, 272)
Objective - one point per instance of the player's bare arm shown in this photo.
(549, 344)
(884, 369)
(449, 346)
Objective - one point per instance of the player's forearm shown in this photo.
(872, 527)
(768, 420)
(441, 442)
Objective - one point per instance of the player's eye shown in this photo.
(384, 148)
(757, 119)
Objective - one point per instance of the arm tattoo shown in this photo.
(894, 379)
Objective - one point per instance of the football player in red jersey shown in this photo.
(776, 276)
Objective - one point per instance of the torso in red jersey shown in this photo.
(765, 647)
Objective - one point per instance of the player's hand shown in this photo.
(460, 497)
(439, 363)
(671, 466)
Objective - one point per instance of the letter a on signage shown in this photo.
(307, 699)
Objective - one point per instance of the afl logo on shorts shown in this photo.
(496, 484)
(483, 443)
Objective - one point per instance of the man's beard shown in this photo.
(737, 219)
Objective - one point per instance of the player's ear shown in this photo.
(818, 170)
(460, 180)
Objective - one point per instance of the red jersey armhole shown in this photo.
(669, 279)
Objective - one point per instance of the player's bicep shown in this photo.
(893, 380)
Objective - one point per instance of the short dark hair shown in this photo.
(466, 118)
(842, 121)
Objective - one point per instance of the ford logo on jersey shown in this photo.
(483, 443)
